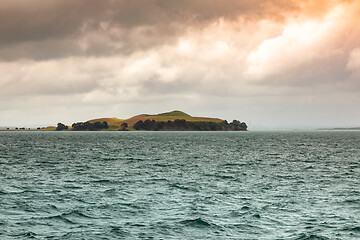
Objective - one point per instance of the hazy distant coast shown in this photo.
(351, 128)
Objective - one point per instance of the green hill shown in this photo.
(115, 123)
(175, 113)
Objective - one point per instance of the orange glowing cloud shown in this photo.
(305, 39)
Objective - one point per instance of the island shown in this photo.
(169, 121)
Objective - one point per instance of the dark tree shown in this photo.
(87, 126)
(238, 126)
(148, 124)
(159, 126)
(124, 126)
(180, 124)
(138, 125)
(243, 126)
(61, 127)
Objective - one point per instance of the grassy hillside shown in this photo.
(175, 113)
(115, 123)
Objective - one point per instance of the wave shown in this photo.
(178, 186)
(72, 187)
(347, 201)
(221, 176)
(162, 165)
(16, 192)
(304, 236)
(76, 213)
(119, 231)
(159, 179)
(198, 223)
(102, 181)
(110, 191)
(231, 164)
(110, 159)
(69, 217)
(246, 227)
(24, 234)
(352, 229)
(61, 218)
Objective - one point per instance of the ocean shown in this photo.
(180, 185)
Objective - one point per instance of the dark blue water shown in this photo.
(180, 185)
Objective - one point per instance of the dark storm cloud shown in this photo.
(58, 28)
(36, 20)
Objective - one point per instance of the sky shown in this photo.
(275, 64)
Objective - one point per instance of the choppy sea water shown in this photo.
(180, 185)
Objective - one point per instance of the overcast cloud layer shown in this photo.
(271, 63)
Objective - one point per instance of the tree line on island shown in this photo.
(84, 126)
(183, 125)
(152, 125)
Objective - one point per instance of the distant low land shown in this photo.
(351, 128)
(169, 121)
